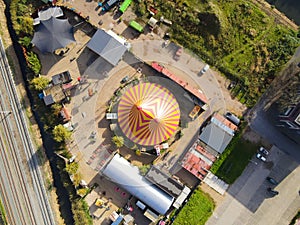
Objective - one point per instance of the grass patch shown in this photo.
(237, 37)
(2, 215)
(234, 159)
(197, 210)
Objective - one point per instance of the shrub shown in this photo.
(34, 62)
(40, 83)
(61, 134)
(118, 141)
(25, 41)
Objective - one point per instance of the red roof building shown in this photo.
(196, 92)
(198, 161)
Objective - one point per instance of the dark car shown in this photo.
(273, 192)
(271, 180)
(233, 118)
(124, 80)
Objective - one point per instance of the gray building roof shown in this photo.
(216, 135)
(48, 100)
(120, 171)
(107, 47)
(164, 181)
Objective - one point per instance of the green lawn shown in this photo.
(234, 159)
(236, 37)
(197, 210)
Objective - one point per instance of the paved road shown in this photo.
(261, 125)
(22, 189)
(247, 201)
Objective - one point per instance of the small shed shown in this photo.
(152, 23)
(48, 100)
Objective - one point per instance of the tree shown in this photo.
(61, 134)
(25, 41)
(81, 212)
(144, 169)
(76, 179)
(26, 23)
(34, 62)
(72, 167)
(118, 141)
(40, 83)
(56, 108)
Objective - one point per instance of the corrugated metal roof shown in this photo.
(216, 137)
(120, 171)
(162, 180)
(107, 47)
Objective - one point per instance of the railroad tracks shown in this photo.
(24, 196)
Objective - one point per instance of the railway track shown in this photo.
(24, 197)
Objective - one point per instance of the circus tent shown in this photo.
(53, 34)
(148, 114)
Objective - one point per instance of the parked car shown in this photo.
(233, 118)
(204, 70)
(263, 151)
(178, 54)
(273, 192)
(271, 180)
(166, 43)
(231, 85)
(109, 4)
(261, 157)
(124, 80)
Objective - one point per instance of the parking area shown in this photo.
(249, 202)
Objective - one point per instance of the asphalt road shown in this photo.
(248, 202)
(22, 189)
(261, 124)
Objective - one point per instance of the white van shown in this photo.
(205, 68)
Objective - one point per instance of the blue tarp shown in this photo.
(118, 220)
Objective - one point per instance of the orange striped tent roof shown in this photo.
(148, 114)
